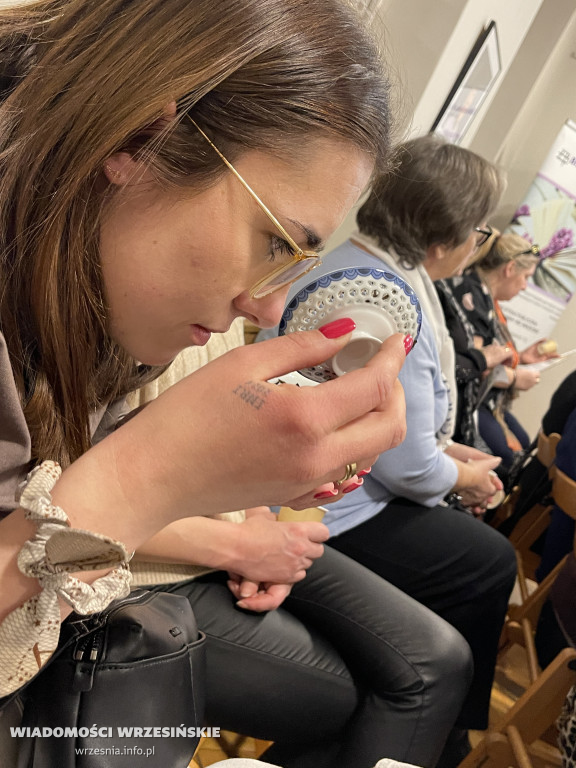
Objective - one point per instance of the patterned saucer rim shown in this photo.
(323, 371)
(348, 274)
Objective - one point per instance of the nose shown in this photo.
(265, 312)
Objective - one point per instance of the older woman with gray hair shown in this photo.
(424, 221)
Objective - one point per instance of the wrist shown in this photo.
(514, 377)
(232, 547)
(467, 476)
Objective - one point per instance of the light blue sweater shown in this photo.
(416, 469)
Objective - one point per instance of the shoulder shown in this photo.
(422, 358)
(15, 449)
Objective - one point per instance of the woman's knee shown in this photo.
(449, 668)
(488, 565)
(502, 558)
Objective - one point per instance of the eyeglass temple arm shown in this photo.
(249, 189)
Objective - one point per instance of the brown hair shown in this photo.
(82, 79)
(437, 194)
(505, 248)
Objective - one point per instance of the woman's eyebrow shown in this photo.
(313, 240)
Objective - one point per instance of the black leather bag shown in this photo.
(127, 683)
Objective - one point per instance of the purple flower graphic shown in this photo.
(563, 238)
(524, 210)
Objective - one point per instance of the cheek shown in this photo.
(472, 247)
(515, 288)
(468, 250)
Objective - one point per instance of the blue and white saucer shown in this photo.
(384, 303)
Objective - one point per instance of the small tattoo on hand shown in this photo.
(253, 393)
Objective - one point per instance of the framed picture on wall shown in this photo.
(472, 85)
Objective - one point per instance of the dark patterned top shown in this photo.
(470, 364)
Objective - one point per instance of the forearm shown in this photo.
(506, 377)
(260, 549)
(470, 365)
(94, 499)
(467, 475)
(425, 485)
(196, 541)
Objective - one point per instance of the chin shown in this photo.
(156, 359)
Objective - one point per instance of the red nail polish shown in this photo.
(325, 495)
(353, 487)
(338, 328)
(408, 343)
(364, 472)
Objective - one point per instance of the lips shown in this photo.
(200, 335)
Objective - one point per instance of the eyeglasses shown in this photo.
(485, 233)
(300, 262)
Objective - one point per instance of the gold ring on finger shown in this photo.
(351, 470)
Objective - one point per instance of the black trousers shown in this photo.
(347, 671)
(457, 566)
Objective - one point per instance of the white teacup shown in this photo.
(372, 328)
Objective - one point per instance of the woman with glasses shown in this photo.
(499, 273)
(424, 221)
(168, 166)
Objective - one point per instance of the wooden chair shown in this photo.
(533, 524)
(521, 620)
(564, 492)
(520, 624)
(517, 740)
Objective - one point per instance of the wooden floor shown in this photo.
(211, 750)
(510, 681)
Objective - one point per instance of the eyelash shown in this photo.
(278, 245)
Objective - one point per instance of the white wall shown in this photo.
(534, 101)
(513, 20)
(536, 92)
(426, 45)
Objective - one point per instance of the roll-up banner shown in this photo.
(547, 217)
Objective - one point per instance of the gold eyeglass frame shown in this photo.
(258, 291)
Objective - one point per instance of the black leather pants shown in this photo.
(347, 671)
(457, 566)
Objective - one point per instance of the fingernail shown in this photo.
(326, 495)
(338, 328)
(353, 487)
(408, 343)
(364, 472)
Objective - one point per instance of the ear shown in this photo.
(121, 168)
(168, 114)
(509, 269)
(436, 252)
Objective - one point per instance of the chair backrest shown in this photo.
(511, 741)
(539, 707)
(546, 451)
(564, 492)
